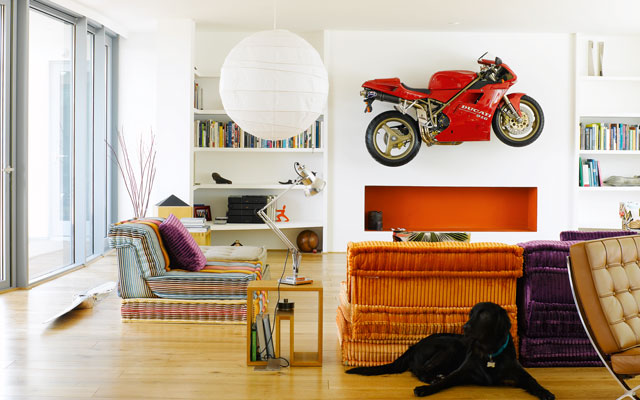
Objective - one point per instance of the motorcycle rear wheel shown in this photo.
(519, 134)
(393, 138)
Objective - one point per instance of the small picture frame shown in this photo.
(202, 212)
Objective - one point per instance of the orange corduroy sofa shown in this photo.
(396, 293)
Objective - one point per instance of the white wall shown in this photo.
(155, 94)
(543, 64)
(155, 75)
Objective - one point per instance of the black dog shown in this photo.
(484, 355)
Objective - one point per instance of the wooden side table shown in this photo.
(287, 316)
(298, 359)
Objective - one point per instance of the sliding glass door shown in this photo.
(6, 169)
(50, 143)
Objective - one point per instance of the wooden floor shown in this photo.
(93, 355)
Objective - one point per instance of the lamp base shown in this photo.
(292, 280)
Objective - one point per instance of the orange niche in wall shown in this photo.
(447, 208)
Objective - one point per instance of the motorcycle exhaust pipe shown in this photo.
(372, 94)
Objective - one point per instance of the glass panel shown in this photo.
(108, 167)
(3, 159)
(50, 144)
(89, 176)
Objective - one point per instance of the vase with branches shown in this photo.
(138, 184)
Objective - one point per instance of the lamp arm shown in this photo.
(295, 252)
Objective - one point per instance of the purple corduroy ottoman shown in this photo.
(550, 328)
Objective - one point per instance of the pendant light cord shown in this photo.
(275, 7)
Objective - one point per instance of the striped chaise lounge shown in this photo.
(397, 293)
(152, 291)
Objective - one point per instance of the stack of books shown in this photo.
(589, 173)
(195, 224)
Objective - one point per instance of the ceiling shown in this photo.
(555, 16)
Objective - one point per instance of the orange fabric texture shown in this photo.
(398, 293)
(446, 274)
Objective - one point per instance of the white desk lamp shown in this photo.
(312, 186)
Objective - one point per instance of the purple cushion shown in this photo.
(592, 235)
(183, 250)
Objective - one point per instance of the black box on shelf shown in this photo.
(234, 199)
(260, 199)
(244, 219)
(245, 206)
(242, 212)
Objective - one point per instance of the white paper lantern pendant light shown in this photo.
(273, 84)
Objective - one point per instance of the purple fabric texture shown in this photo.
(183, 250)
(557, 352)
(549, 320)
(551, 334)
(586, 235)
(546, 253)
(547, 285)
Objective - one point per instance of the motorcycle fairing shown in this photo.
(456, 79)
(471, 116)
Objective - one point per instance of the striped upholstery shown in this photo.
(397, 293)
(144, 239)
(408, 323)
(183, 249)
(152, 292)
(194, 285)
(131, 284)
(164, 310)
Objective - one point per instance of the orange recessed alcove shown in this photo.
(446, 208)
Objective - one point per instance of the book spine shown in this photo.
(254, 340)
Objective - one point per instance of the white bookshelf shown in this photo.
(253, 171)
(254, 150)
(256, 227)
(243, 186)
(610, 98)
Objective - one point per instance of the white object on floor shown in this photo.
(87, 299)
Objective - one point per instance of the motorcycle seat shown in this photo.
(425, 91)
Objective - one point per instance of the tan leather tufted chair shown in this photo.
(605, 280)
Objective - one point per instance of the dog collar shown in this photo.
(500, 350)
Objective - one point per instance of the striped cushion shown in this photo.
(148, 254)
(131, 284)
(182, 247)
(190, 285)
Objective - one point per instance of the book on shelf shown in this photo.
(270, 353)
(609, 136)
(215, 134)
(254, 340)
(198, 96)
(260, 343)
(589, 174)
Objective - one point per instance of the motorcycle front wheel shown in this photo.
(393, 138)
(524, 132)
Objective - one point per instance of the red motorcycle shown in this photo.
(458, 106)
